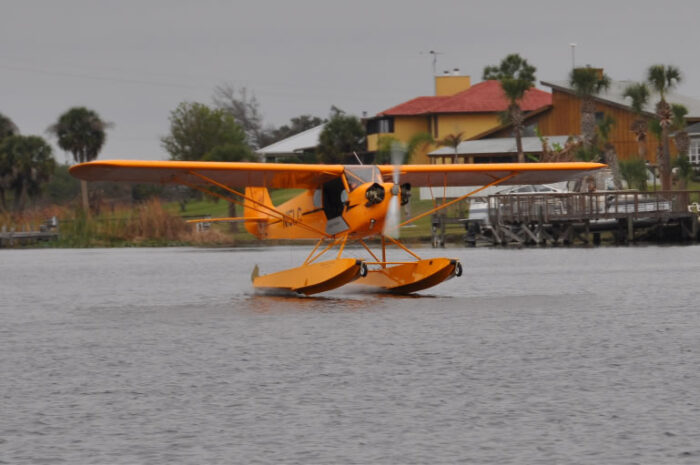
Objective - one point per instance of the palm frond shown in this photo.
(639, 94)
(588, 81)
(679, 111)
(663, 78)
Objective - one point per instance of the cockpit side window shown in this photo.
(332, 193)
(357, 175)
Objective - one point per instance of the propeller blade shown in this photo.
(393, 214)
(397, 157)
(391, 222)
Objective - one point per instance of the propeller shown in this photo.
(393, 214)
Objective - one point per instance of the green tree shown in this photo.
(639, 94)
(81, 132)
(27, 163)
(587, 83)
(62, 188)
(342, 136)
(296, 125)
(7, 129)
(634, 171)
(196, 129)
(684, 170)
(516, 76)
(663, 79)
(453, 141)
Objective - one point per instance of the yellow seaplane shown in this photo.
(339, 204)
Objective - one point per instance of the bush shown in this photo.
(635, 173)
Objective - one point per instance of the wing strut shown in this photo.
(270, 210)
(452, 202)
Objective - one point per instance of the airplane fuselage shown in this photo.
(349, 205)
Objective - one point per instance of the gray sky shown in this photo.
(134, 61)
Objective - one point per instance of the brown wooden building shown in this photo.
(563, 117)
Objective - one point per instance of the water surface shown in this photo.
(167, 356)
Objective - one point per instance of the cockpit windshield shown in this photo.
(361, 174)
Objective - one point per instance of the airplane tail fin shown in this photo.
(255, 210)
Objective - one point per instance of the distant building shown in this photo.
(564, 117)
(293, 146)
(496, 150)
(456, 107)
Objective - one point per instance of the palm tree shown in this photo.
(639, 93)
(516, 76)
(27, 163)
(81, 132)
(452, 140)
(678, 124)
(685, 171)
(656, 131)
(682, 141)
(587, 83)
(608, 149)
(663, 79)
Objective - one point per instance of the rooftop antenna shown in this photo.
(435, 55)
(573, 54)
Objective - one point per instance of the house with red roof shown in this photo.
(457, 107)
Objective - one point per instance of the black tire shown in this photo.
(363, 270)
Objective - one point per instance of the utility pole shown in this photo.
(573, 55)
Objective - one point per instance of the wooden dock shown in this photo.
(580, 218)
(10, 237)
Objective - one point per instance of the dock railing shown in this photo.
(545, 208)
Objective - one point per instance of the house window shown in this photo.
(380, 125)
(599, 116)
(695, 152)
(530, 130)
(385, 125)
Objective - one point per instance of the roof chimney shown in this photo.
(451, 83)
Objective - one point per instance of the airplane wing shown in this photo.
(307, 176)
(481, 174)
(273, 175)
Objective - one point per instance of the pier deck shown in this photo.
(552, 218)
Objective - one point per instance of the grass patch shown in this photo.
(147, 224)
